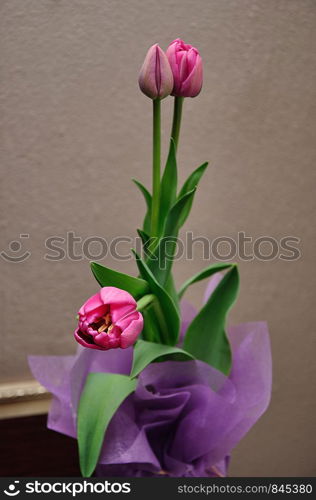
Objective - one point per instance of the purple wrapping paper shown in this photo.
(184, 418)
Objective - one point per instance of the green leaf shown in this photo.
(205, 337)
(168, 186)
(205, 273)
(148, 242)
(146, 352)
(108, 277)
(161, 265)
(172, 223)
(167, 313)
(102, 395)
(151, 330)
(170, 287)
(148, 200)
(191, 183)
(193, 179)
(144, 236)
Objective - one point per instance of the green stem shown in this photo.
(150, 300)
(145, 301)
(161, 321)
(156, 168)
(175, 132)
(176, 123)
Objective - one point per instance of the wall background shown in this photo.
(75, 128)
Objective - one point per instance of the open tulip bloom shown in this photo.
(156, 387)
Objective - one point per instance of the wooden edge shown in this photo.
(25, 398)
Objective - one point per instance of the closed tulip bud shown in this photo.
(187, 69)
(155, 78)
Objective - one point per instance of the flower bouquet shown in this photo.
(156, 387)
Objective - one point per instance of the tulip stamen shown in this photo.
(107, 319)
(107, 326)
(102, 328)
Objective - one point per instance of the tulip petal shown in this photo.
(183, 67)
(115, 296)
(91, 304)
(130, 334)
(191, 87)
(172, 56)
(165, 80)
(147, 75)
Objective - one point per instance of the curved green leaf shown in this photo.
(102, 395)
(167, 312)
(170, 287)
(148, 199)
(193, 179)
(108, 277)
(146, 352)
(161, 265)
(168, 186)
(144, 192)
(180, 206)
(144, 236)
(152, 328)
(191, 183)
(205, 337)
(205, 273)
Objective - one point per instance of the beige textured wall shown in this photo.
(75, 128)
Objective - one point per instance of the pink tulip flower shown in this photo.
(187, 69)
(109, 319)
(155, 78)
